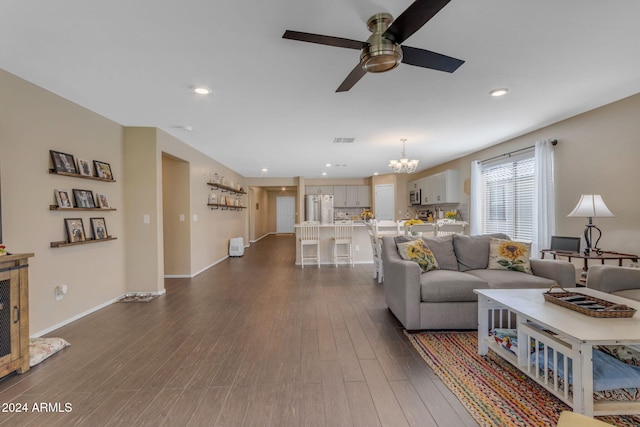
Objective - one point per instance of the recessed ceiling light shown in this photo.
(499, 92)
(328, 165)
(201, 90)
(265, 170)
(324, 173)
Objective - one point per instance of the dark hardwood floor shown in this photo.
(253, 341)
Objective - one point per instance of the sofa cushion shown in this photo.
(509, 255)
(505, 279)
(472, 252)
(629, 293)
(449, 286)
(442, 248)
(418, 252)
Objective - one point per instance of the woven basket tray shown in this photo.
(586, 304)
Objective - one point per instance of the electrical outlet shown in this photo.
(181, 217)
(357, 248)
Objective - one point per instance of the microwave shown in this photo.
(415, 197)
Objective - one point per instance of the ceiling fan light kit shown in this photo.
(383, 51)
(381, 54)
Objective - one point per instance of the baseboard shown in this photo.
(209, 266)
(85, 313)
(261, 237)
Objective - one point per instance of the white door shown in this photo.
(385, 202)
(285, 214)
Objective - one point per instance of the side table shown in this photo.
(605, 255)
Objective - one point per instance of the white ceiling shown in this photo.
(274, 104)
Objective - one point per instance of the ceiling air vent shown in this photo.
(343, 140)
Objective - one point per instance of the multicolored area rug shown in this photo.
(493, 391)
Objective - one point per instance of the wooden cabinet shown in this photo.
(14, 313)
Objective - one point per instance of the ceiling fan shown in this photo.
(382, 51)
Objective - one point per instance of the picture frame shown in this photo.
(103, 170)
(84, 168)
(63, 162)
(84, 198)
(75, 230)
(63, 198)
(99, 228)
(103, 201)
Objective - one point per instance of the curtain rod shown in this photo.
(553, 142)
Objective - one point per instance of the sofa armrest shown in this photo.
(611, 278)
(401, 283)
(563, 272)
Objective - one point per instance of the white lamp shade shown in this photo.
(591, 206)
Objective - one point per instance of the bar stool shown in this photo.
(310, 236)
(426, 229)
(343, 235)
(376, 248)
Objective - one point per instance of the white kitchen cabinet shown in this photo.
(340, 199)
(351, 196)
(318, 189)
(364, 196)
(443, 187)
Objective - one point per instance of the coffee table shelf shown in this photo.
(568, 333)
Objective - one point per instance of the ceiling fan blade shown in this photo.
(412, 19)
(427, 59)
(326, 40)
(353, 77)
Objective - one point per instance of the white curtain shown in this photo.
(475, 208)
(544, 198)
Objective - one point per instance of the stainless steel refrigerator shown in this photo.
(319, 208)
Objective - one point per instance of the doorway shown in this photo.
(385, 202)
(176, 218)
(285, 214)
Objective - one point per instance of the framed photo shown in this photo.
(103, 201)
(63, 198)
(75, 229)
(63, 162)
(84, 167)
(84, 198)
(103, 170)
(99, 228)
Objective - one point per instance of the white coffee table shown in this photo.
(566, 331)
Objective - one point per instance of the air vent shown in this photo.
(343, 140)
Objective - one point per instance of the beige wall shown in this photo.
(32, 122)
(598, 153)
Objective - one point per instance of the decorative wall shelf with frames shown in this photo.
(237, 191)
(64, 243)
(213, 206)
(58, 208)
(109, 178)
(77, 175)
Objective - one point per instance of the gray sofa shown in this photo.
(621, 281)
(444, 298)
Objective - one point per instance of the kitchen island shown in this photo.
(362, 252)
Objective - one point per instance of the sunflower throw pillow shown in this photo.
(509, 255)
(418, 252)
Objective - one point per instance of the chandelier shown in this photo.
(403, 165)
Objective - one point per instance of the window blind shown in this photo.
(508, 190)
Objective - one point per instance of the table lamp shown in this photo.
(591, 206)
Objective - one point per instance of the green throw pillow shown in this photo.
(509, 255)
(418, 252)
